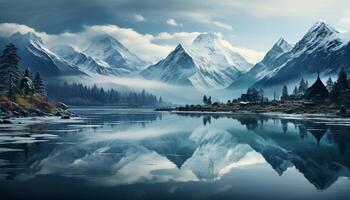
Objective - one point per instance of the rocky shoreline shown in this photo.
(10, 109)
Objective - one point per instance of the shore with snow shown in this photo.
(280, 108)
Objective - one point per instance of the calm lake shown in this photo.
(110, 153)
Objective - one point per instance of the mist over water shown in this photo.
(110, 153)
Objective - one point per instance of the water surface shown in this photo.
(111, 153)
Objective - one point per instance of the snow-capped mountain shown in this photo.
(109, 57)
(85, 63)
(114, 55)
(321, 49)
(176, 68)
(220, 52)
(265, 66)
(38, 57)
(209, 62)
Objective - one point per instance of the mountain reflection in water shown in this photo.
(116, 147)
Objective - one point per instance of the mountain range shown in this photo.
(38, 57)
(104, 56)
(322, 49)
(210, 62)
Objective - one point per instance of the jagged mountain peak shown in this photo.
(322, 26)
(35, 54)
(207, 37)
(208, 63)
(279, 48)
(108, 40)
(109, 50)
(27, 37)
(179, 47)
(318, 32)
(322, 48)
(283, 44)
(211, 41)
(319, 36)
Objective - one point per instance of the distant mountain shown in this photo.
(115, 55)
(38, 57)
(176, 68)
(265, 66)
(322, 49)
(85, 63)
(209, 62)
(104, 56)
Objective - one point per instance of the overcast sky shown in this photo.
(251, 26)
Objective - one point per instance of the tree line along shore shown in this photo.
(332, 98)
(23, 94)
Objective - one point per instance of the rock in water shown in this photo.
(62, 105)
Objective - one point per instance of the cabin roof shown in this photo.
(317, 90)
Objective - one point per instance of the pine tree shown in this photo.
(11, 89)
(205, 100)
(26, 85)
(261, 95)
(339, 93)
(295, 91)
(9, 67)
(209, 100)
(343, 80)
(39, 86)
(285, 93)
(330, 84)
(26, 73)
(303, 85)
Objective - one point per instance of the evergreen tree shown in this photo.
(78, 94)
(335, 93)
(205, 100)
(285, 93)
(39, 86)
(295, 91)
(261, 94)
(26, 84)
(26, 73)
(209, 100)
(9, 67)
(303, 86)
(329, 84)
(340, 91)
(11, 89)
(343, 80)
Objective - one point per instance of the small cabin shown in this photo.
(317, 92)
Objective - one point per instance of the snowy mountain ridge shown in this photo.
(208, 63)
(109, 57)
(264, 67)
(322, 49)
(114, 55)
(85, 63)
(38, 57)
